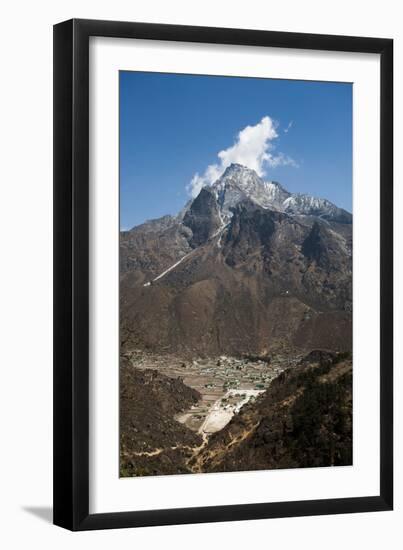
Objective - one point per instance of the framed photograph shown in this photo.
(223, 320)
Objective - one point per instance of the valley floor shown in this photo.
(229, 414)
(225, 384)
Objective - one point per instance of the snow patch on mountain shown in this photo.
(239, 183)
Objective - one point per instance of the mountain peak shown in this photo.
(238, 183)
(240, 173)
(302, 204)
(236, 167)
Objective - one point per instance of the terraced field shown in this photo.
(226, 384)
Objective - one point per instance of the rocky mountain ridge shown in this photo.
(245, 267)
(239, 183)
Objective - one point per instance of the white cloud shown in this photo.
(252, 148)
(283, 160)
(290, 124)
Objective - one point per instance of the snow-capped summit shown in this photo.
(312, 206)
(238, 183)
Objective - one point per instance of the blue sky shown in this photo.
(173, 127)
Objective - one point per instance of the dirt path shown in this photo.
(216, 419)
(200, 458)
(158, 451)
(155, 452)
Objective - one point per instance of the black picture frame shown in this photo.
(71, 274)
